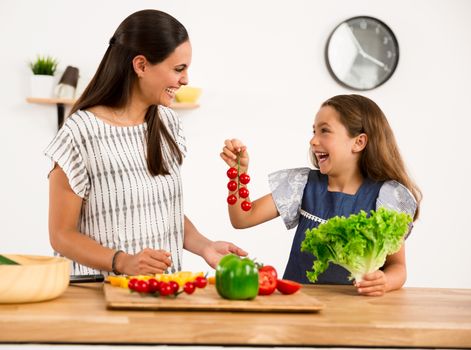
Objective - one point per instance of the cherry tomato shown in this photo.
(244, 178)
(246, 206)
(270, 269)
(232, 185)
(142, 286)
(154, 285)
(232, 173)
(266, 283)
(243, 192)
(287, 286)
(231, 199)
(175, 286)
(189, 287)
(165, 289)
(200, 282)
(132, 284)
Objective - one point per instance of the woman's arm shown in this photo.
(392, 277)
(64, 214)
(211, 251)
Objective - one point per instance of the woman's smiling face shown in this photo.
(331, 145)
(157, 83)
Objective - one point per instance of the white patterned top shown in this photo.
(124, 207)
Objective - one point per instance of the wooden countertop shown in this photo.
(411, 317)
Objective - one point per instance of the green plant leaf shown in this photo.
(6, 261)
(44, 65)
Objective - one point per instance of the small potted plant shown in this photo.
(42, 80)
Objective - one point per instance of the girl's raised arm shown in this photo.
(235, 154)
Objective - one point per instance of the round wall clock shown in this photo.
(362, 53)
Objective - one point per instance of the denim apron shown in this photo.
(319, 205)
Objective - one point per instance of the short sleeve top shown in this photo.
(288, 185)
(124, 206)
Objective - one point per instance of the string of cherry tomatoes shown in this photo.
(236, 188)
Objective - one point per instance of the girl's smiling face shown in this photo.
(335, 151)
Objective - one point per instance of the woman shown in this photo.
(115, 189)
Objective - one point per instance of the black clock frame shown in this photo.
(393, 68)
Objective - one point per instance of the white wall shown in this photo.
(261, 66)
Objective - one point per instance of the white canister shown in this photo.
(42, 86)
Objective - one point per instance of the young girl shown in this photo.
(116, 202)
(359, 168)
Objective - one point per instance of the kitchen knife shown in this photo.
(86, 278)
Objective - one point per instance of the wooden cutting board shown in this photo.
(209, 300)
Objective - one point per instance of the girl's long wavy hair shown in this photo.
(381, 159)
(155, 35)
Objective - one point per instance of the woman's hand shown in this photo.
(372, 284)
(229, 153)
(147, 261)
(217, 249)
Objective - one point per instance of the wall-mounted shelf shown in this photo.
(65, 101)
(62, 102)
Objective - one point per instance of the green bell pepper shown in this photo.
(237, 278)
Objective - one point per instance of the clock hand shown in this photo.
(360, 49)
(355, 40)
(372, 59)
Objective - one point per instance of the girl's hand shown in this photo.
(217, 249)
(146, 262)
(373, 284)
(229, 153)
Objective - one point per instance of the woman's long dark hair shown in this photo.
(155, 35)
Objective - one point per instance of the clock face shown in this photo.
(362, 53)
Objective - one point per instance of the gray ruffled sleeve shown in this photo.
(287, 187)
(396, 196)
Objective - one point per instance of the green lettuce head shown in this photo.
(359, 243)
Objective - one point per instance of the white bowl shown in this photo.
(37, 278)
